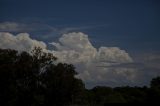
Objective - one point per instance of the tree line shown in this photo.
(35, 79)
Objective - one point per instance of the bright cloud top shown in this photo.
(95, 66)
(75, 48)
(20, 42)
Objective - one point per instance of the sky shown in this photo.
(119, 35)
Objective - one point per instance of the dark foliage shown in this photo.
(36, 80)
(33, 79)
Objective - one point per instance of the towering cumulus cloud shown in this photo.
(95, 66)
(74, 48)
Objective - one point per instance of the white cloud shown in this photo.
(20, 42)
(76, 48)
(113, 54)
(109, 66)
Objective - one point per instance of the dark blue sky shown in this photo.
(133, 25)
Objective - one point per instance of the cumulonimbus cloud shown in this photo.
(96, 66)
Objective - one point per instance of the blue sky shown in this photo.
(127, 23)
(132, 25)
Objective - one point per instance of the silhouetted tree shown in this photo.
(33, 79)
(132, 94)
(155, 83)
(62, 85)
(154, 91)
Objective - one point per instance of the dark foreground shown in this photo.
(35, 80)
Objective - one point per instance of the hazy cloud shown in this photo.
(11, 27)
(41, 30)
(24, 27)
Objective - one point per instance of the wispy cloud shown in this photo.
(122, 65)
(33, 27)
(80, 28)
(12, 27)
(24, 27)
